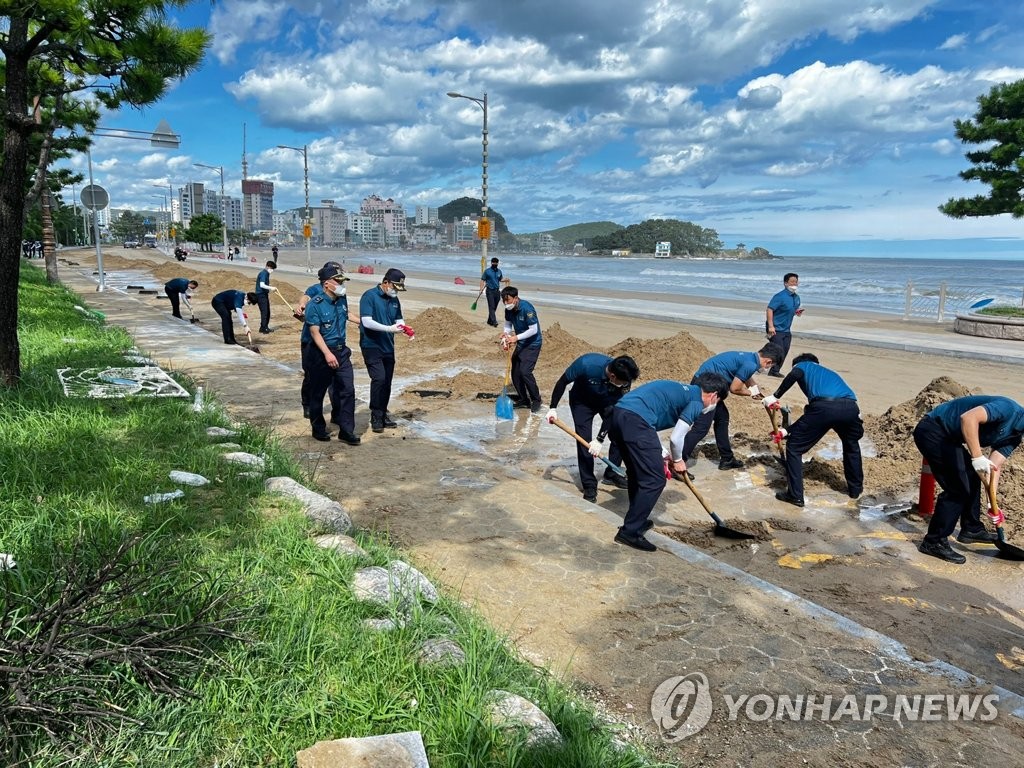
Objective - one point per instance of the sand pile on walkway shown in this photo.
(677, 357)
(440, 326)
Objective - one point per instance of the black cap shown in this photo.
(330, 271)
(396, 277)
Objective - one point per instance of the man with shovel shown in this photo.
(635, 422)
(598, 382)
(951, 437)
(223, 303)
(263, 289)
(178, 290)
(491, 281)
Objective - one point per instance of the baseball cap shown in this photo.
(396, 277)
(331, 271)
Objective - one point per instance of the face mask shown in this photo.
(339, 290)
(709, 408)
(509, 307)
(392, 293)
(762, 369)
(791, 288)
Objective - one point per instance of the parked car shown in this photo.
(131, 243)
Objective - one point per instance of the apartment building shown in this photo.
(390, 215)
(257, 204)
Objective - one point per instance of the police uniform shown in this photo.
(783, 305)
(175, 289)
(305, 340)
(492, 284)
(591, 395)
(378, 350)
(635, 422)
(222, 304)
(831, 404)
(731, 365)
(524, 357)
(940, 439)
(329, 315)
(263, 299)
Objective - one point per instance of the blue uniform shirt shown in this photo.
(179, 284)
(784, 306)
(1003, 430)
(662, 403)
(330, 317)
(313, 291)
(263, 277)
(386, 311)
(740, 365)
(492, 278)
(233, 299)
(589, 382)
(521, 318)
(818, 381)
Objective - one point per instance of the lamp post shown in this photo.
(484, 228)
(307, 224)
(163, 205)
(223, 208)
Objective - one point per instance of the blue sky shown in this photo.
(783, 124)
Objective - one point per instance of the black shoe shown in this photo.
(305, 411)
(232, 342)
(977, 537)
(786, 497)
(636, 542)
(732, 463)
(590, 495)
(348, 437)
(613, 478)
(388, 422)
(493, 325)
(521, 404)
(537, 407)
(941, 550)
(776, 374)
(268, 330)
(646, 527)
(323, 437)
(377, 426)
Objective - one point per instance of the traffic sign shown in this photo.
(483, 230)
(95, 197)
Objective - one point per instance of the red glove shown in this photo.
(408, 331)
(668, 471)
(777, 437)
(996, 516)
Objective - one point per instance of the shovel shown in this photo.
(562, 426)
(473, 305)
(503, 405)
(252, 347)
(296, 315)
(1006, 550)
(721, 529)
(774, 416)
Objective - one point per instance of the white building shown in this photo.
(425, 215)
(389, 214)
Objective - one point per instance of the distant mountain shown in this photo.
(576, 233)
(470, 206)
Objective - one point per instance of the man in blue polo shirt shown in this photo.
(223, 303)
(491, 281)
(522, 334)
(635, 422)
(305, 339)
(177, 290)
(831, 404)
(598, 382)
(951, 437)
(327, 361)
(380, 317)
(738, 368)
(778, 324)
(263, 289)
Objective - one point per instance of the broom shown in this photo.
(473, 305)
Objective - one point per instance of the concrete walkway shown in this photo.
(540, 564)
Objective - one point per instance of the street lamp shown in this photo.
(484, 228)
(163, 204)
(307, 224)
(223, 208)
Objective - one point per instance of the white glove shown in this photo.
(665, 454)
(982, 465)
(595, 448)
(552, 416)
(755, 391)
(396, 328)
(769, 401)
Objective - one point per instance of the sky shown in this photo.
(803, 126)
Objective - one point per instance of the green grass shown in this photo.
(302, 667)
(1002, 311)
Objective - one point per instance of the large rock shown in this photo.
(394, 750)
(399, 585)
(441, 651)
(412, 581)
(511, 713)
(326, 514)
(247, 459)
(341, 544)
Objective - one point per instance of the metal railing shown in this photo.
(937, 303)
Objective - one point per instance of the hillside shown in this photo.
(579, 232)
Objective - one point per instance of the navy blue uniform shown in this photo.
(329, 315)
(263, 299)
(305, 339)
(223, 303)
(491, 278)
(526, 352)
(940, 439)
(783, 306)
(378, 348)
(591, 395)
(635, 422)
(174, 290)
(731, 365)
(831, 404)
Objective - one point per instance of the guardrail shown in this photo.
(939, 303)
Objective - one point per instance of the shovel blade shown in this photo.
(473, 306)
(729, 533)
(503, 406)
(1009, 552)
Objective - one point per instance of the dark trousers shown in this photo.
(720, 418)
(322, 378)
(960, 498)
(332, 393)
(381, 368)
(175, 297)
(493, 299)
(645, 469)
(227, 323)
(524, 359)
(783, 339)
(263, 302)
(818, 418)
(583, 415)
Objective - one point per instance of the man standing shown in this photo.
(177, 290)
(306, 339)
(831, 404)
(739, 369)
(380, 318)
(783, 307)
(263, 289)
(974, 423)
(635, 422)
(273, 252)
(491, 281)
(223, 303)
(598, 382)
(522, 329)
(327, 361)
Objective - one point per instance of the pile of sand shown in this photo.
(559, 349)
(465, 385)
(677, 357)
(441, 326)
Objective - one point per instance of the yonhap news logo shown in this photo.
(682, 706)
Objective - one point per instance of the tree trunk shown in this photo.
(49, 239)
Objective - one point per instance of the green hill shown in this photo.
(575, 233)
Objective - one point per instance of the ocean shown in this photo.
(872, 284)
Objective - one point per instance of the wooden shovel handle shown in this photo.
(282, 298)
(774, 416)
(695, 492)
(564, 427)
